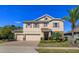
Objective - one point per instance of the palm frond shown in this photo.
(73, 15)
(77, 16)
(75, 11)
(69, 12)
(66, 18)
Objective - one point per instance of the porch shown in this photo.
(46, 33)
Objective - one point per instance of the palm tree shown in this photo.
(73, 16)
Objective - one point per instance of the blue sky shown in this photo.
(16, 14)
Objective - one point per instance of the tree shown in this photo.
(73, 16)
(12, 27)
(6, 32)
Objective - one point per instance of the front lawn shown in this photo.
(51, 43)
(45, 45)
(1, 41)
(41, 50)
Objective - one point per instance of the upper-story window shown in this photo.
(45, 24)
(28, 25)
(36, 25)
(55, 24)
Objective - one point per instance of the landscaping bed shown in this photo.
(53, 46)
(51, 43)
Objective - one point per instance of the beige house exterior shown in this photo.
(40, 27)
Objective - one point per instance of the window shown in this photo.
(46, 18)
(45, 24)
(36, 25)
(28, 25)
(55, 24)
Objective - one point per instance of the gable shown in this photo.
(44, 18)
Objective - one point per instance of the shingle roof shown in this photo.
(76, 30)
(36, 21)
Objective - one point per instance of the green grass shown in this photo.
(40, 50)
(53, 43)
(50, 43)
(1, 41)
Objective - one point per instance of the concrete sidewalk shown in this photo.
(58, 48)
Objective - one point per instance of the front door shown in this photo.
(46, 34)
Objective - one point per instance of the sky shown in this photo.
(16, 14)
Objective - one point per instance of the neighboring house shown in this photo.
(40, 27)
(68, 35)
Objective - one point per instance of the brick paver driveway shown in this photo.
(19, 47)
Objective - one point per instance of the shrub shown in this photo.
(56, 36)
(50, 38)
(42, 38)
(6, 32)
(66, 39)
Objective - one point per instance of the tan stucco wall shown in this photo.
(43, 19)
(41, 25)
(60, 28)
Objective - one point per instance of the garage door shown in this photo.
(33, 37)
(20, 37)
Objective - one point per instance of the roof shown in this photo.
(76, 30)
(69, 33)
(36, 21)
(46, 15)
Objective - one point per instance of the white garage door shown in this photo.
(20, 37)
(33, 37)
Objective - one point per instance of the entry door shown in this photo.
(46, 34)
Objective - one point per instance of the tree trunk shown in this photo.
(73, 36)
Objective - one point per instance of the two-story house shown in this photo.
(40, 27)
